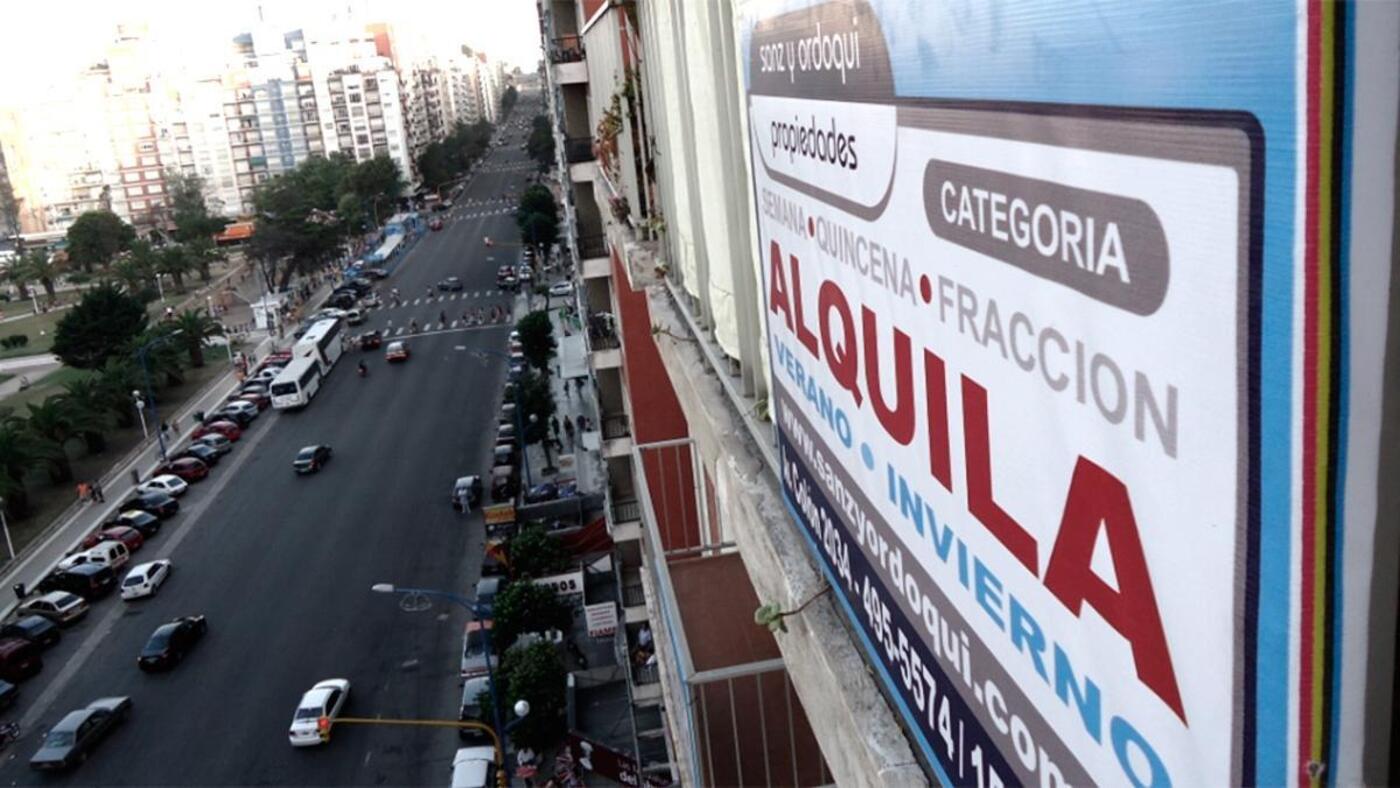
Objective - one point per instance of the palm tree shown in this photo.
(204, 253)
(115, 382)
(49, 423)
(162, 358)
(89, 412)
(40, 265)
(133, 273)
(18, 456)
(19, 275)
(195, 328)
(176, 262)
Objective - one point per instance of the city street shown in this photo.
(282, 565)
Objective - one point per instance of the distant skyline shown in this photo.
(59, 39)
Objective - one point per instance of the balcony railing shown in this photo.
(634, 595)
(616, 426)
(578, 149)
(626, 511)
(568, 49)
(590, 246)
(602, 332)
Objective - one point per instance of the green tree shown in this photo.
(135, 271)
(41, 266)
(537, 216)
(96, 237)
(19, 454)
(52, 426)
(435, 166)
(115, 382)
(89, 412)
(535, 553)
(535, 674)
(196, 327)
(375, 185)
(163, 354)
(189, 212)
(523, 607)
(540, 145)
(203, 253)
(174, 261)
(535, 397)
(100, 326)
(537, 339)
(298, 226)
(537, 199)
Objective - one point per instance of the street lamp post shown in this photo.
(476, 610)
(5, 525)
(140, 405)
(146, 372)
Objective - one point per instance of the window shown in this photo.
(154, 188)
(362, 139)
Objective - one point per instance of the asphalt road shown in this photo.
(282, 567)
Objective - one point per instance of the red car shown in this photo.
(435, 224)
(225, 428)
(397, 351)
(256, 397)
(125, 534)
(187, 468)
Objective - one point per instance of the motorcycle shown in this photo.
(364, 371)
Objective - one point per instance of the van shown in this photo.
(474, 767)
(19, 659)
(89, 581)
(472, 693)
(113, 555)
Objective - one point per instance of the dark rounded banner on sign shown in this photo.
(1108, 247)
(833, 50)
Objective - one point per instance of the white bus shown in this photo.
(297, 384)
(322, 342)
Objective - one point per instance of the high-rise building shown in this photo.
(362, 111)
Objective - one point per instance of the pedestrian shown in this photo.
(554, 425)
(97, 492)
(164, 430)
(569, 431)
(578, 384)
(83, 493)
(579, 419)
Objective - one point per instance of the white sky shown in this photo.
(50, 40)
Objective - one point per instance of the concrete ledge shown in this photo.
(858, 732)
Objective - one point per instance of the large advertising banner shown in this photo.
(1015, 368)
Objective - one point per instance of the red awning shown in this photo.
(238, 231)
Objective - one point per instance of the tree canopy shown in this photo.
(193, 221)
(536, 674)
(96, 237)
(540, 145)
(534, 552)
(101, 326)
(537, 341)
(441, 162)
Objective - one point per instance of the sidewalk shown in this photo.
(579, 460)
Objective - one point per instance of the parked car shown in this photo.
(267, 374)
(70, 741)
(325, 700)
(90, 581)
(113, 555)
(145, 522)
(225, 428)
(159, 504)
(173, 486)
(19, 659)
(503, 483)
(216, 442)
(259, 399)
(397, 351)
(474, 691)
(311, 459)
(237, 406)
(375, 273)
(9, 693)
(60, 607)
(354, 317)
(187, 468)
(171, 643)
(562, 289)
(36, 629)
(344, 299)
(145, 579)
(451, 283)
(202, 452)
(474, 653)
(331, 313)
(486, 590)
(132, 538)
(474, 767)
(238, 417)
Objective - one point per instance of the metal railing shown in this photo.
(634, 595)
(616, 425)
(578, 149)
(602, 332)
(626, 511)
(590, 246)
(568, 49)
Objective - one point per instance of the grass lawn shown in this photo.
(48, 499)
(31, 326)
(48, 385)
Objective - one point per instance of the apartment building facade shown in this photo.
(363, 112)
(951, 533)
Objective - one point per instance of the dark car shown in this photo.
(241, 418)
(542, 492)
(375, 273)
(132, 538)
(435, 225)
(202, 452)
(371, 340)
(8, 694)
(89, 581)
(145, 522)
(160, 504)
(170, 643)
(72, 738)
(187, 468)
(19, 659)
(359, 286)
(503, 483)
(36, 629)
(451, 283)
(345, 299)
(311, 458)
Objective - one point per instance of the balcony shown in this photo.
(568, 49)
(578, 149)
(593, 247)
(625, 524)
(617, 435)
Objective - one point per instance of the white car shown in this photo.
(354, 317)
(565, 288)
(145, 579)
(330, 312)
(111, 554)
(474, 767)
(326, 699)
(242, 406)
(216, 442)
(173, 486)
(268, 374)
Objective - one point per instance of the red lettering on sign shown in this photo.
(980, 502)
